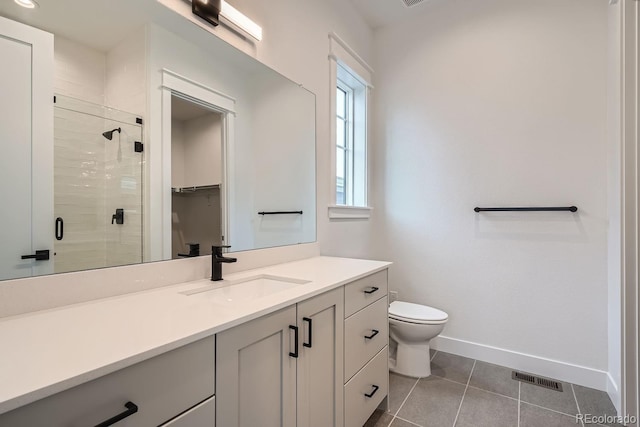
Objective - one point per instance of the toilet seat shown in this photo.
(416, 313)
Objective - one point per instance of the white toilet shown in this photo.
(411, 328)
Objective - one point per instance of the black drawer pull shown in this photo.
(295, 341)
(132, 408)
(374, 333)
(375, 389)
(310, 321)
(59, 228)
(372, 290)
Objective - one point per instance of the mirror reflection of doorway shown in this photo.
(196, 178)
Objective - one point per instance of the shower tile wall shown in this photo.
(92, 178)
(86, 165)
(126, 72)
(79, 190)
(123, 177)
(79, 70)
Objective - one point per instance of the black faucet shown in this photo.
(216, 262)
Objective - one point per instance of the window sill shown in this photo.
(349, 212)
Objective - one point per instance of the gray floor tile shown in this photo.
(558, 401)
(494, 378)
(379, 419)
(532, 416)
(399, 388)
(401, 423)
(452, 367)
(431, 353)
(482, 409)
(433, 402)
(595, 402)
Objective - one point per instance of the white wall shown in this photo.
(203, 150)
(500, 102)
(196, 157)
(177, 153)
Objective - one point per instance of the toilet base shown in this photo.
(412, 360)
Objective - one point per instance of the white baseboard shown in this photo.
(555, 369)
(614, 393)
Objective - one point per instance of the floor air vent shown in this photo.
(539, 381)
(410, 3)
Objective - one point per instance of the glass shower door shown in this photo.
(98, 192)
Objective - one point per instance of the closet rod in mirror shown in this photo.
(194, 188)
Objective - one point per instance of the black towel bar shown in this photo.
(281, 213)
(542, 209)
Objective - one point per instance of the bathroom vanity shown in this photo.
(295, 344)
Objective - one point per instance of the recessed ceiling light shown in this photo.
(29, 4)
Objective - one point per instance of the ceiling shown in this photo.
(380, 13)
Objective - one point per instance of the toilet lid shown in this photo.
(407, 310)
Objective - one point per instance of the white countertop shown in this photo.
(49, 351)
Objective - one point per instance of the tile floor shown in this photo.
(464, 392)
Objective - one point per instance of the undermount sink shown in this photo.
(244, 290)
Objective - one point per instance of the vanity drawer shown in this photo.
(203, 415)
(162, 388)
(363, 292)
(358, 407)
(358, 349)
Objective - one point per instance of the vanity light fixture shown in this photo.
(235, 17)
(212, 10)
(29, 4)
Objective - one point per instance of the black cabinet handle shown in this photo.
(372, 290)
(295, 341)
(132, 408)
(38, 256)
(375, 389)
(310, 321)
(59, 228)
(375, 332)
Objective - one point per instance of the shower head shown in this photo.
(109, 134)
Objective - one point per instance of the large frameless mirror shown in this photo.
(137, 136)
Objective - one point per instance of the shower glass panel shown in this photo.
(98, 189)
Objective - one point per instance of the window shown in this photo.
(349, 105)
(344, 144)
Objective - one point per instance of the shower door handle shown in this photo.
(59, 228)
(42, 255)
(118, 217)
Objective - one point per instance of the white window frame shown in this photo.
(343, 60)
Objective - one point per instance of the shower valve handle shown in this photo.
(118, 217)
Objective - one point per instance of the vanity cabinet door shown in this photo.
(320, 365)
(255, 374)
